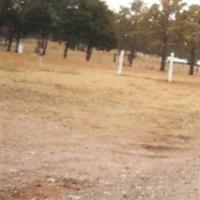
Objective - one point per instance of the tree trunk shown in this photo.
(88, 53)
(131, 57)
(164, 56)
(192, 61)
(10, 39)
(17, 41)
(44, 46)
(66, 50)
(115, 58)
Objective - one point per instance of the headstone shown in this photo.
(171, 66)
(21, 48)
(121, 62)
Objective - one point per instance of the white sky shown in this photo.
(115, 4)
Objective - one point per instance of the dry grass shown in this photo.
(91, 98)
(94, 131)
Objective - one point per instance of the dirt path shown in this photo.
(71, 165)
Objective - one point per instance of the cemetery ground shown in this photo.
(76, 130)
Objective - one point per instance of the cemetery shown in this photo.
(99, 102)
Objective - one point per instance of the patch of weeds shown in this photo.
(160, 147)
(71, 72)
(61, 72)
(9, 69)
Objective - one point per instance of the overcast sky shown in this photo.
(115, 4)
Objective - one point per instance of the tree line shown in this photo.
(87, 23)
(170, 25)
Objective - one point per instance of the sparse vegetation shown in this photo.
(77, 130)
(79, 120)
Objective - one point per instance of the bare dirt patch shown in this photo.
(49, 188)
(161, 148)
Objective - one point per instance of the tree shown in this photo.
(88, 22)
(124, 30)
(9, 12)
(13, 18)
(160, 22)
(71, 20)
(39, 22)
(2, 12)
(98, 31)
(19, 26)
(131, 29)
(187, 29)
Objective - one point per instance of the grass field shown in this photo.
(85, 126)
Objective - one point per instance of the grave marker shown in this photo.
(121, 62)
(171, 68)
(20, 48)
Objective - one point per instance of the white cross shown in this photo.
(121, 62)
(171, 67)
